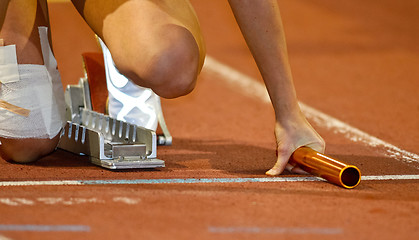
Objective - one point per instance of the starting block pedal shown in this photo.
(110, 143)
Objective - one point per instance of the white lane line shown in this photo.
(43, 228)
(126, 200)
(19, 201)
(275, 230)
(40, 183)
(195, 180)
(390, 177)
(256, 89)
(16, 201)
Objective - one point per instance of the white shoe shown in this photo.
(127, 101)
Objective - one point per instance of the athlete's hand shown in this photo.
(291, 135)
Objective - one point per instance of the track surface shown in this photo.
(354, 60)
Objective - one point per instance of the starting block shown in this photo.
(110, 143)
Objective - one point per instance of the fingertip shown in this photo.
(272, 172)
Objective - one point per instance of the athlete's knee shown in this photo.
(26, 150)
(173, 73)
(171, 70)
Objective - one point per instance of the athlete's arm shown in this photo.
(262, 28)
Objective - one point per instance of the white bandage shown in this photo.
(39, 90)
(8, 64)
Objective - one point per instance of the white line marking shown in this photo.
(8, 201)
(356, 135)
(184, 181)
(42, 183)
(275, 230)
(44, 228)
(65, 201)
(254, 88)
(70, 201)
(390, 177)
(130, 201)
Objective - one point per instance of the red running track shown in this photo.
(355, 60)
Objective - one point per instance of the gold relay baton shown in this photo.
(321, 165)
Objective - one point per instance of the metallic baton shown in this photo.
(334, 171)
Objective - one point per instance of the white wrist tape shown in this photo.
(39, 90)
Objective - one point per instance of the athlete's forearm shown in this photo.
(261, 25)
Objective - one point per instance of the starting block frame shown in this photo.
(110, 143)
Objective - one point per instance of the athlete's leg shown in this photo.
(19, 21)
(19, 25)
(157, 44)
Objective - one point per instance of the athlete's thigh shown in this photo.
(125, 25)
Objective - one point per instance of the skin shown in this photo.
(164, 40)
(158, 44)
(262, 28)
(19, 25)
